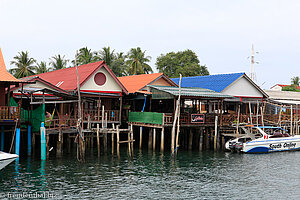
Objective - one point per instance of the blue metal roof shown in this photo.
(213, 82)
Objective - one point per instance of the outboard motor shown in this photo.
(238, 146)
(232, 145)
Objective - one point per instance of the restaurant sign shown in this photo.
(198, 118)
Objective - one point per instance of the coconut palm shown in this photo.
(58, 62)
(295, 81)
(137, 62)
(86, 56)
(25, 65)
(118, 64)
(41, 68)
(107, 55)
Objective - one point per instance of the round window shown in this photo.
(100, 78)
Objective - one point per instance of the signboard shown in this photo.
(198, 118)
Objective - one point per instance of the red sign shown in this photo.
(198, 118)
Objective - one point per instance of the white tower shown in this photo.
(252, 69)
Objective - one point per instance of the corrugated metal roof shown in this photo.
(216, 82)
(189, 91)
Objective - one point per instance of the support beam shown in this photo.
(29, 140)
(191, 140)
(154, 139)
(150, 139)
(98, 140)
(162, 140)
(201, 140)
(118, 142)
(43, 141)
(2, 138)
(141, 137)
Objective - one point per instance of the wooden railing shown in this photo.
(95, 115)
(9, 112)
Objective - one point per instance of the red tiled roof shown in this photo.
(136, 82)
(281, 85)
(4, 75)
(66, 79)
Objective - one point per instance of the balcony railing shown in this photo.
(9, 113)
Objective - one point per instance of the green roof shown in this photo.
(168, 92)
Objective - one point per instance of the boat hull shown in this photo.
(6, 159)
(272, 145)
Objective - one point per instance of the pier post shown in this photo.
(59, 143)
(29, 140)
(112, 143)
(141, 137)
(201, 140)
(216, 133)
(207, 138)
(18, 136)
(105, 141)
(150, 139)
(2, 138)
(129, 150)
(33, 143)
(43, 141)
(118, 140)
(154, 139)
(131, 138)
(191, 140)
(223, 143)
(162, 139)
(98, 140)
(69, 143)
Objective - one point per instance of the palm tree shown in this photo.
(107, 55)
(41, 68)
(25, 65)
(295, 81)
(58, 62)
(118, 64)
(86, 56)
(137, 62)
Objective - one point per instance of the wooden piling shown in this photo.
(191, 140)
(105, 141)
(150, 139)
(201, 140)
(69, 143)
(59, 143)
(141, 137)
(98, 140)
(207, 138)
(118, 142)
(154, 139)
(131, 138)
(216, 133)
(112, 140)
(162, 140)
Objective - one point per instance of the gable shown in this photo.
(97, 83)
(242, 88)
(161, 81)
(37, 84)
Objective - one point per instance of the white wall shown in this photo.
(242, 88)
(110, 84)
(276, 88)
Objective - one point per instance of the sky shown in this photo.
(219, 32)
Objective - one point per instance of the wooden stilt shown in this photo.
(129, 149)
(207, 138)
(47, 145)
(112, 140)
(191, 140)
(59, 143)
(105, 141)
(98, 140)
(201, 140)
(150, 139)
(131, 138)
(69, 143)
(162, 140)
(216, 133)
(141, 137)
(33, 143)
(154, 139)
(118, 142)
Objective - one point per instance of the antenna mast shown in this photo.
(252, 70)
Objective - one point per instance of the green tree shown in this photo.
(24, 65)
(41, 68)
(137, 62)
(295, 81)
(86, 56)
(58, 62)
(118, 65)
(107, 55)
(182, 62)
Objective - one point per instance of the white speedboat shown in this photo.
(6, 158)
(260, 141)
